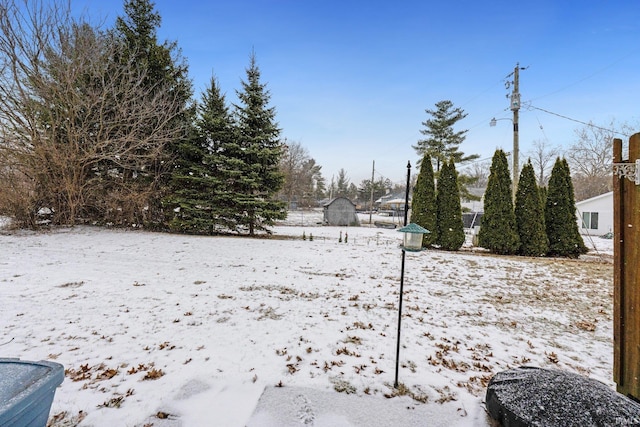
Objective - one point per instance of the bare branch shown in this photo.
(542, 156)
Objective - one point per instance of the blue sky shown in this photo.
(350, 80)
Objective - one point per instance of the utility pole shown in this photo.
(373, 170)
(515, 107)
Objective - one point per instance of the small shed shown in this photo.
(340, 211)
(595, 215)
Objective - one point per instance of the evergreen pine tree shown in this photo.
(498, 231)
(164, 69)
(342, 184)
(442, 142)
(187, 205)
(560, 218)
(449, 228)
(200, 195)
(423, 204)
(165, 72)
(529, 213)
(224, 155)
(261, 150)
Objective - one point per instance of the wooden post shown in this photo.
(626, 276)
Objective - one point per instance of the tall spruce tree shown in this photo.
(530, 215)
(201, 199)
(259, 159)
(165, 72)
(342, 184)
(187, 205)
(449, 228)
(560, 218)
(423, 205)
(216, 126)
(498, 231)
(164, 68)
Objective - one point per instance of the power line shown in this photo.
(386, 178)
(542, 129)
(588, 76)
(578, 121)
(508, 153)
(481, 93)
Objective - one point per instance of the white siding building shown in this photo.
(595, 215)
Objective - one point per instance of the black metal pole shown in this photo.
(406, 211)
(406, 194)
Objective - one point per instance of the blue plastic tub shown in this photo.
(26, 391)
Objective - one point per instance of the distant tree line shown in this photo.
(303, 180)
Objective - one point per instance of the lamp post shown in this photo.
(412, 241)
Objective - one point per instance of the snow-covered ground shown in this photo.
(172, 330)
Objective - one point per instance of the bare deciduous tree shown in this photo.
(542, 156)
(301, 174)
(591, 156)
(478, 172)
(291, 166)
(74, 116)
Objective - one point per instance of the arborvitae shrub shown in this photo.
(498, 230)
(423, 204)
(529, 213)
(560, 218)
(450, 228)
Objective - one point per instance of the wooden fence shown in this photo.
(626, 276)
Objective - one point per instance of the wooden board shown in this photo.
(626, 306)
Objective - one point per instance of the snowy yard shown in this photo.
(160, 329)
